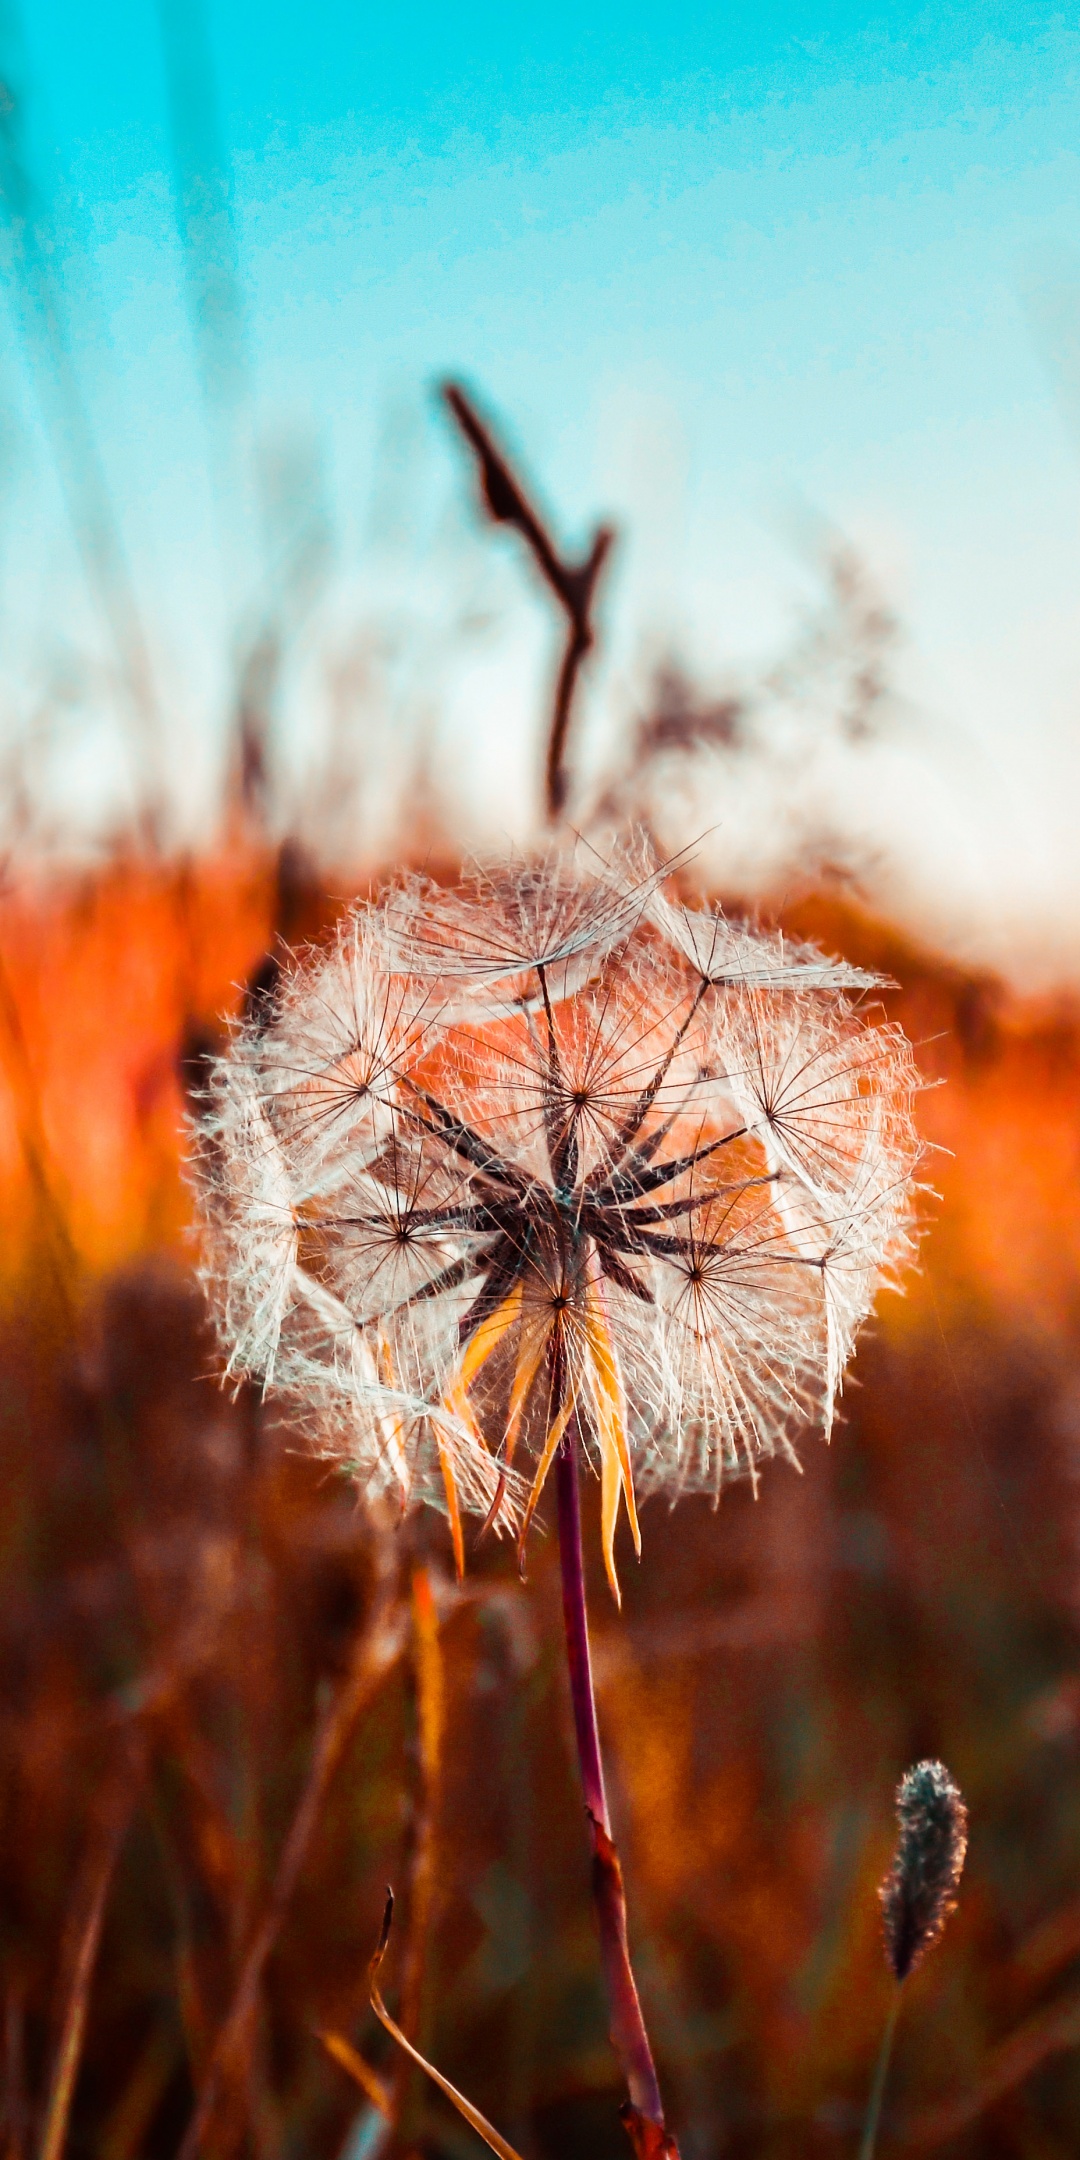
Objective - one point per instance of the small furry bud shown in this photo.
(919, 1892)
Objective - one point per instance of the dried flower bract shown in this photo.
(919, 1892)
(546, 1146)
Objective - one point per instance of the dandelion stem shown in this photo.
(645, 2116)
(881, 2073)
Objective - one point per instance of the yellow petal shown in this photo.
(450, 1482)
(555, 1433)
(456, 1401)
(531, 1348)
(488, 1336)
(452, 1505)
(393, 1428)
(607, 1389)
(610, 1495)
(479, 1347)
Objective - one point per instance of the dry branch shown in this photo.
(110, 1831)
(1051, 2031)
(572, 583)
(472, 2115)
(377, 1650)
(430, 1687)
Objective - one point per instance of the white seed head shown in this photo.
(547, 1145)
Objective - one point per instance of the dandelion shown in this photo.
(546, 1166)
(548, 1149)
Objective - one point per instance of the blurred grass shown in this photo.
(177, 1579)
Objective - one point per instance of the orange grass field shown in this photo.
(234, 1707)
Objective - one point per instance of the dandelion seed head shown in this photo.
(547, 1146)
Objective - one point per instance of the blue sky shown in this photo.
(732, 274)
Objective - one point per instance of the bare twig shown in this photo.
(14, 2112)
(573, 584)
(361, 2072)
(377, 1650)
(124, 2133)
(430, 1722)
(472, 2114)
(105, 1852)
(1048, 2032)
(1050, 1945)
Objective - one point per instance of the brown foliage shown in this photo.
(175, 1574)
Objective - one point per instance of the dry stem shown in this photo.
(430, 1724)
(377, 1650)
(111, 1830)
(573, 584)
(464, 2106)
(1052, 2030)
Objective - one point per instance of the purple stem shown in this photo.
(628, 2035)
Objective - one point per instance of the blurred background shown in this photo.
(793, 303)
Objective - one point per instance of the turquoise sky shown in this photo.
(733, 276)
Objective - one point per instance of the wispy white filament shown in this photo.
(548, 1143)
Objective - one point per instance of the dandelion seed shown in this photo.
(547, 1152)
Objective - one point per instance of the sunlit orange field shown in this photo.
(186, 1629)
